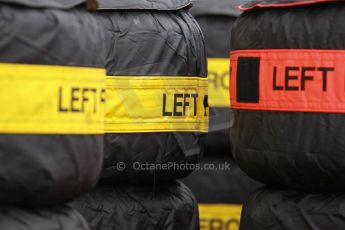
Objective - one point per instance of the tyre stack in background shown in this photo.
(287, 95)
(51, 142)
(156, 117)
(220, 192)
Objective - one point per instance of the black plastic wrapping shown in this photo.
(163, 43)
(48, 169)
(43, 4)
(216, 19)
(226, 184)
(143, 4)
(290, 210)
(301, 150)
(54, 218)
(167, 206)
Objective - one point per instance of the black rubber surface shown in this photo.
(49, 169)
(226, 184)
(53, 218)
(164, 43)
(290, 210)
(167, 206)
(300, 150)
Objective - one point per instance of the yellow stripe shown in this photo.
(156, 104)
(40, 99)
(220, 216)
(218, 75)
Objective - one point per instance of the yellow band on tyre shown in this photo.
(40, 99)
(139, 104)
(220, 216)
(218, 75)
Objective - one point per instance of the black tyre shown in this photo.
(288, 209)
(223, 182)
(42, 165)
(216, 19)
(143, 42)
(300, 148)
(62, 218)
(168, 206)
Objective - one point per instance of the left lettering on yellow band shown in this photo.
(183, 105)
(42, 99)
(156, 104)
(81, 99)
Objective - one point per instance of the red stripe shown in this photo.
(284, 5)
(295, 80)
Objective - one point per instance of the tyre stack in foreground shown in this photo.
(50, 144)
(287, 93)
(224, 185)
(156, 117)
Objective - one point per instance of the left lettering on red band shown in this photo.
(288, 80)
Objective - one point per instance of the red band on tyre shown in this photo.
(281, 4)
(288, 80)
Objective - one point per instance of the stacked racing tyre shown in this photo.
(52, 113)
(223, 182)
(157, 107)
(290, 209)
(216, 18)
(156, 117)
(220, 188)
(52, 218)
(288, 116)
(167, 206)
(287, 89)
(224, 185)
(52, 94)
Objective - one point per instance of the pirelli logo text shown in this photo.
(43, 99)
(156, 104)
(288, 80)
